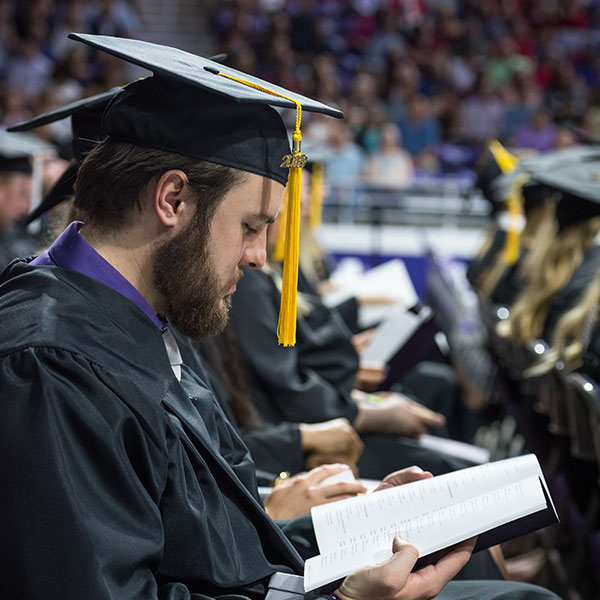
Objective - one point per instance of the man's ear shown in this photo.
(172, 199)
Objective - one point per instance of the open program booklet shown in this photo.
(496, 501)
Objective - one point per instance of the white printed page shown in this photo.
(366, 524)
(391, 335)
(430, 531)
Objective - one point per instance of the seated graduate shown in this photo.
(556, 256)
(124, 479)
(16, 152)
(493, 161)
(276, 450)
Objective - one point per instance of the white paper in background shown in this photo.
(392, 334)
(389, 280)
(468, 452)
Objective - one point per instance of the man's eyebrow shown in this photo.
(267, 218)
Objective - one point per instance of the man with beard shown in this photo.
(122, 478)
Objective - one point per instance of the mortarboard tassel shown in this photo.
(514, 201)
(286, 327)
(316, 196)
(507, 163)
(504, 159)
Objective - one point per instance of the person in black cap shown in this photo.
(577, 225)
(16, 151)
(119, 481)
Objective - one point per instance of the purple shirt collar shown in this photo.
(71, 251)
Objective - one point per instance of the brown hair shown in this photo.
(114, 175)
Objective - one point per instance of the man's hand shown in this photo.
(316, 459)
(407, 475)
(331, 437)
(393, 579)
(296, 495)
(396, 414)
(369, 378)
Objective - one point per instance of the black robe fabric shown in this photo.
(478, 265)
(274, 447)
(119, 481)
(310, 382)
(348, 309)
(15, 242)
(591, 355)
(574, 290)
(510, 284)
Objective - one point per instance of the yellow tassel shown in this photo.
(278, 253)
(514, 202)
(504, 159)
(316, 196)
(286, 328)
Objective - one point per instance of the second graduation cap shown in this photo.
(86, 117)
(579, 186)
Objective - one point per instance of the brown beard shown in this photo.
(189, 288)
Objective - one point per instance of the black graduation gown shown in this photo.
(591, 355)
(574, 290)
(511, 284)
(273, 447)
(310, 382)
(348, 309)
(119, 481)
(478, 265)
(15, 242)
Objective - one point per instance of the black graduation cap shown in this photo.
(492, 168)
(197, 107)
(16, 150)
(579, 185)
(86, 118)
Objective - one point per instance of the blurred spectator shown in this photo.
(30, 70)
(539, 134)
(391, 166)
(111, 17)
(420, 130)
(481, 114)
(346, 163)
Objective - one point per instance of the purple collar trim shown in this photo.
(71, 251)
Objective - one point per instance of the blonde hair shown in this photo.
(547, 273)
(570, 334)
(312, 257)
(540, 225)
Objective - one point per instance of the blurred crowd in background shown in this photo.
(422, 82)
